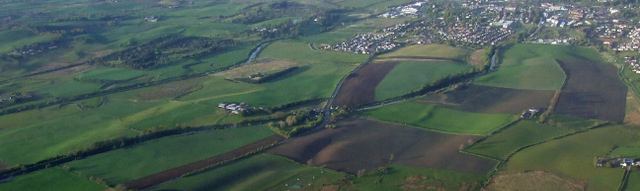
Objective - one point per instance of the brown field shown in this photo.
(360, 87)
(633, 110)
(536, 180)
(167, 175)
(264, 67)
(366, 144)
(486, 99)
(477, 57)
(592, 90)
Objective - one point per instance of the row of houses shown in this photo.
(605, 161)
(633, 63)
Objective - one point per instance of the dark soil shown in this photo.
(177, 172)
(487, 99)
(366, 144)
(592, 90)
(360, 87)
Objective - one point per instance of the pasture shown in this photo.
(533, 66)
(358, 144)
(360, 87)
(125, 165)
(514, 137)
(430, 51)
(488, 99)
(301, 52)
(401, 177)
(258, 172)
(50, 179)
(114, 74)
(593, 91)
(533, 181)
(632, 182)
(439, 119)
(573, 156)
(409, 76)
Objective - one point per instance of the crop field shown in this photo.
(158, 155)
(259, 172)
(366, 144)
(409, 76)
(440, 119)
(430, 51)
(263, 67)
(533, 66)
(50, 179)
(519, 135)
(359, 87)
(593, 91)
(573, 156)
(533, 181)
(487, 99)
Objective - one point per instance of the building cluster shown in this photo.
(235, 108)
(412, 9)
(367, 43)
(475, 34)
(151, 19)
(563, 41)
(631, 41)
(605, 161)
(31, 51)
(633, 63)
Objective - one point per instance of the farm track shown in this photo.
(180, 171)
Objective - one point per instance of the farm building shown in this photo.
(235, 108)
(531, 113)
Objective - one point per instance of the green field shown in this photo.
(573, 156)
(302, 53)
(533, 66)
(68, 88)
(259, 172)
(400, 177)
(53, 179)
(409, 76)
(633, 183)
(124, 165)
(439, 119)
(430, 50)
(109, 74)
(521, 134)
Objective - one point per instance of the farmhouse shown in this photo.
(531, 113)
(234, 108)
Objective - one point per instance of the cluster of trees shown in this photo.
(296, 123)
(267, 78)
(53, 29)
(294, 104)
(163, 51)
(266, 12)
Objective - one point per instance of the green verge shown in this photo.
(124, 165)
(533, 66)
(409, 76)
(633, 183)
(573, 156)
(430, 50)
(50, 179)
(439, 119)
(258, 172)
(521, 134)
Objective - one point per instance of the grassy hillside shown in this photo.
(50, 179)
(439, 119)
(409, 76)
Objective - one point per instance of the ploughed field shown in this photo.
(488, 99)
(592, 90)
(358, 144)
(359, 87)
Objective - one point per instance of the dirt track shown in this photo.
(487, 99)
(176, 172)
(593, 90)
(360, 87)
(366, 144)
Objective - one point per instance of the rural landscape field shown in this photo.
(320, 95)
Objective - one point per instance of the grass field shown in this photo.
(124, 165)
(633, 183)
(259, 172)
(533, 66)
(430, 50)
(68, 88)
(50, 179)
(410, 76)
(439, 119)
(416, 178)
(109, 74)
(521, 134)
(573, 156)
(302, 53)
